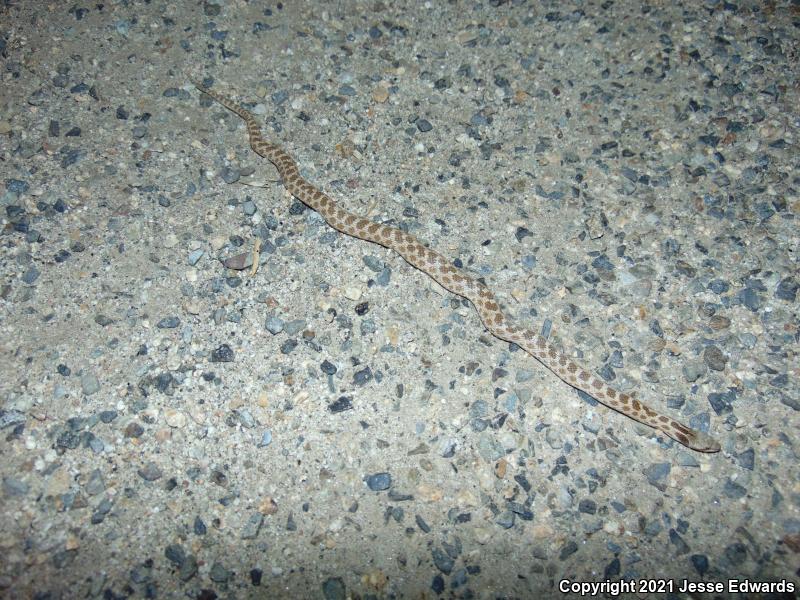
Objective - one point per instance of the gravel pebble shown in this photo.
(89, 384)
(150, 472)
(274, 325)
(334, 589)
(379, 482)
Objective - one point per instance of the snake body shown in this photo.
(454, 280)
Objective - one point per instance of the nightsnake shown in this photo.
(454, 280)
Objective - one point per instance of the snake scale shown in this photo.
(454, 280)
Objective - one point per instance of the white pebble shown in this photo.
(352, 293)
(175, 418)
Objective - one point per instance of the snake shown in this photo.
(458, 282)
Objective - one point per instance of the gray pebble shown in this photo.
(685, 459)
(657, 474)
(478, 409)
(424, 125)
(700, 563)
(249, 208)
(246, 418)
(510, 402)
(252, 526)
(266, 439)
(722, 402)
(447, 447)
(694, 370)
(31, 275)
(175, 554)
(479, 425)
(168, 323)
(367, 327)
(422, 524)
(294, 327)
(567, 550)
(96, 444)
(734, 490)
(442, 561)
(563, 497)
(616, 360)
(601, 263)
(736, 553)
(489, 448)
(379, 482)
(334, 589)
(11, 418)
(219, 573)
(554, 440)
(150, 472)
(103, 320)
(14, 487)
(384, 277)
(141, 574)
(592, 422)
(505, 519)
(653, 528)
(89, 384)
(288, 346)
(280, 97)
(521, 511)
(363, 376)
(524, 375)
(719, 286)
(274, 325)
(341, 404)
(529, 262)
(374, 263)
(747, 459)
(230, 175)
(188, 568)
(787, 289)
(714, 358)
(750, 299)
(103, 508)
(195, 256)
(791, 402)
(328, 367)
(681, 547)
(95, 485)
(17, 186)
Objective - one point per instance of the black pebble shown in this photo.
(175, 554)
(199, 526)
(437, 585)
(422, 524)
(700, 563)
(342, 404)
(222, 354)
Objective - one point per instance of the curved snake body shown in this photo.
(451, 278)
